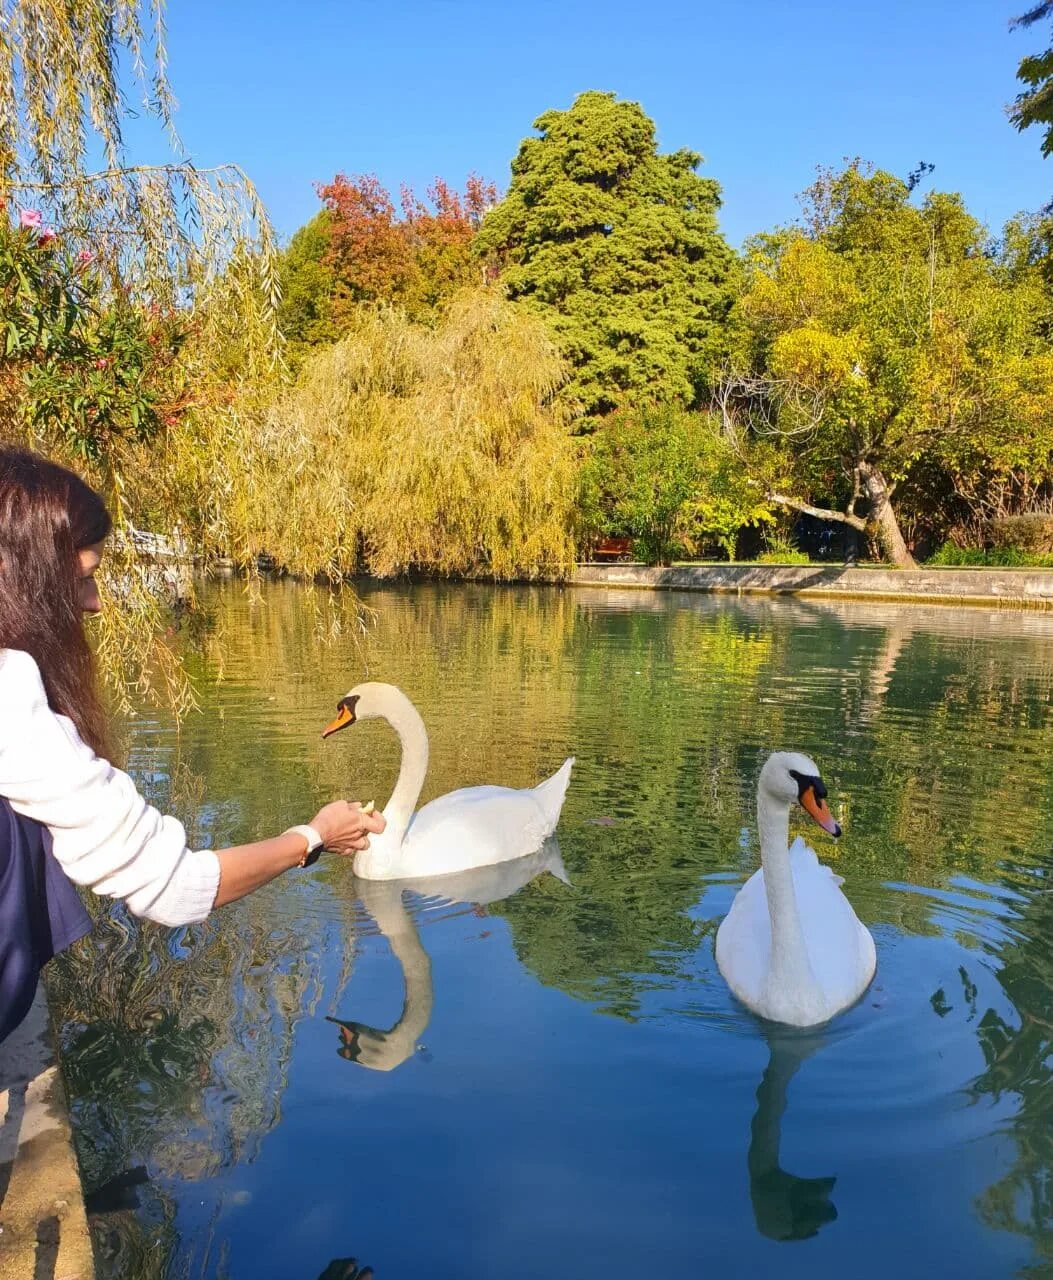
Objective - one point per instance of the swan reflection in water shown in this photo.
(346, 1269)
(383, 1050)
(785, 1207)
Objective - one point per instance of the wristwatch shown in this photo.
(315, 843)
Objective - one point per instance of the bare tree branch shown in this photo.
(821, 513)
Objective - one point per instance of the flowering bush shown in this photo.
(77, 358)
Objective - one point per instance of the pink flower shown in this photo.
(30, 218)
(85, 256)
(46, 236)
(102, 363)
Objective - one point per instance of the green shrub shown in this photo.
(77, 359)
(668, 479)
(793, 556)
(952, 556)
(781, 550)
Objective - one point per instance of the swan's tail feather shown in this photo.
(551, 792)
(556, 867)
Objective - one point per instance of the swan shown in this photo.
(380, 1049)
(791, 947)
(473, 827)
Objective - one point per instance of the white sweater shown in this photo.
(105, 834)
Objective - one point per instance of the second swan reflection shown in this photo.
(383, 1050)
(785, 1206)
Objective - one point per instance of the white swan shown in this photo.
(473, 827)
(791, 947)
(382, 1049)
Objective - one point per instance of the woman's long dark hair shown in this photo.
(47, 515)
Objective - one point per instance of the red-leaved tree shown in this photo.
(417, 255)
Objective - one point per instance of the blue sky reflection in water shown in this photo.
(558, 1082)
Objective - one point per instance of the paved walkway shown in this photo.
(43, 1229)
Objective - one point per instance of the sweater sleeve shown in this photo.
(104, 833)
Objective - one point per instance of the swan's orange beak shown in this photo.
(345, 715)
(819, 810)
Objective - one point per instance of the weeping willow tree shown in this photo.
(161, 229)
(402, 447)
(442, 449)
(98, 252)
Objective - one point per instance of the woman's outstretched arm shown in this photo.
(107, 837)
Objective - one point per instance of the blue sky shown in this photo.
(408, 89)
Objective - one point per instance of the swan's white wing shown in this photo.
(840, 950)
(744, 941)
(471, 828)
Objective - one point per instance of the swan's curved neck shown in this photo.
(394, 707)
(395, 924)
(789, 957)
(766, 1126)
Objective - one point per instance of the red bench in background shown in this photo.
(613, 549)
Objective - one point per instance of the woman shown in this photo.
(66, 814)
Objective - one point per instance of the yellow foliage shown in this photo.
(400, 447)
(815, 357)
(809, 285)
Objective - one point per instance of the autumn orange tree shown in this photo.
(415, 255)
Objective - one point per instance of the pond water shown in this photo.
(547, 1076)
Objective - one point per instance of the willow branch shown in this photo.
(102, 175)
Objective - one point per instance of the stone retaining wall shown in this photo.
(1011, 588)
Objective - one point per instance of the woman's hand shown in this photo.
(345, 827)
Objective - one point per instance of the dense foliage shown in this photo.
(78, 361)
(308, 285)
(892, 349)
(616, 245)
(360, 249)
(1034, 104)
(671, 480)
(416, 260)
(441, 448)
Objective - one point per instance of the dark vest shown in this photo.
(40, 912)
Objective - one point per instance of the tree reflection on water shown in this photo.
(932, 728)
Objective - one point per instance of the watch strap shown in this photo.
(315, 843)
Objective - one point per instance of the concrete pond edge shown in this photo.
(1002, 588)
(43, 1224)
